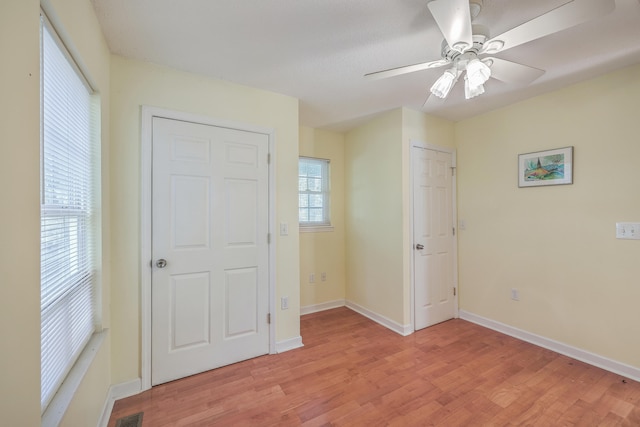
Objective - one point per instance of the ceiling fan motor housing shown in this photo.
(480, 36)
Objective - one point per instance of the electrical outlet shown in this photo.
(312, 278)
(515, 294)
(284, 303)
(323, 276)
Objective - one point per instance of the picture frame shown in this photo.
(549, 167)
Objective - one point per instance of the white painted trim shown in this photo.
(272, 244)
(308, 309)
(454, 213)
(559, 347)
(289, 344)
(403, 330)
(315, 228)
(147, 114)
(454, 202)
(145, 245)
(116, 392)
(54, 413)
(412, 272)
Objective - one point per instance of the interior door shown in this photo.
(434, 294)
(209, 291)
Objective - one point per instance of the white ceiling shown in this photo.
(319, 50)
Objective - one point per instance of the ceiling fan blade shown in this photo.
(433, 101)
(392, 72)
(512, 72)
(454, 20)
(566, 16)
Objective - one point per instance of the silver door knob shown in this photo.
(419, 247)
(161, 263)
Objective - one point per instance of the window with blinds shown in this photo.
(68, 160)
(313, 192)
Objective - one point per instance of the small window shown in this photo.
(313, 188)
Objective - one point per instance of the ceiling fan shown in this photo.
(465, 46)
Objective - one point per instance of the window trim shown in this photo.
(315, 228)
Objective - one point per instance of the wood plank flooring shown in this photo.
(354, 372)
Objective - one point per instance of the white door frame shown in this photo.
(148, 113)
(419, 144)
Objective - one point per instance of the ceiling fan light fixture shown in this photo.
(445, 82)
(477, 72)
(470, 90)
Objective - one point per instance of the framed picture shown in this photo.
(551, 167)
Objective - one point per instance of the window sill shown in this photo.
(65, 394)
(316, 228)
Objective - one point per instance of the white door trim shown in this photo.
(454, 212)
(148, 113)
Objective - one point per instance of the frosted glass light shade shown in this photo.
(471, 91)
(443, 85)
(477, 72)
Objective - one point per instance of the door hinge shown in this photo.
(454, 291)
(268, 238)
(453, 170)
(268, 158)
(269, 318)
(454, 230)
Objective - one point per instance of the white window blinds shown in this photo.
(67, 226)
(313, 192)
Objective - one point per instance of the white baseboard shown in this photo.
(573, 352)
(308, 309)
(403, 330)
(290, 344)
(118, 391)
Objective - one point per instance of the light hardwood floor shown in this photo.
(355, 372)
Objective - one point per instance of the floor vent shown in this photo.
(134, 420)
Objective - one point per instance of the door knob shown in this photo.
(419, 247)
(161, 263)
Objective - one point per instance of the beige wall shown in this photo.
(373, 210)
(417, 126)
(135, 84)
(556, 245)
(20, 214)
(324, 251)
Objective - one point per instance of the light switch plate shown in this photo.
(284, 229)
(628, 230)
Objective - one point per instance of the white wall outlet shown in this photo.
(628, 230)
(284, 303)
(515, 294)
(462, 224)
(284, 229)
(323, 276)
(312, 278)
